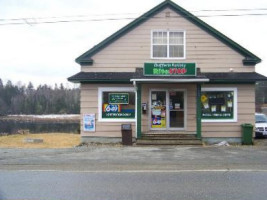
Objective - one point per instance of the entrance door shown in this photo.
(167, 110)
(176, 110)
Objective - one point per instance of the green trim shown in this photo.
(198, 110)
(139, 111)
(231, 82)
(99, 81)
(250, 58)
(86, 62)
(249, 62)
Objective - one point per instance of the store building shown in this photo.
(167, 72)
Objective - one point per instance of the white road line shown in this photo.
(139, 171)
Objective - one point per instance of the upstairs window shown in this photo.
(168, 44)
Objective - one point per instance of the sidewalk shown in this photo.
(109, 158)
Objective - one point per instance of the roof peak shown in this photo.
(250, 58)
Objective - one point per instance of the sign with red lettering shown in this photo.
(170, 69)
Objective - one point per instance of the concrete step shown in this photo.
(168, 142)
(168, 136)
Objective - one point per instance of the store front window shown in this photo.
(219, 104)
(116, 104)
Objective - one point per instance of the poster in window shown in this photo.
(176, 106)
(217, 104)
(89, 122)
(230, 104)
(158, 122)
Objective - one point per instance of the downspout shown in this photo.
(198, 111)
(139, 111)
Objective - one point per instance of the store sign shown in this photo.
(118, 98)
(115, 111)
(169, 69)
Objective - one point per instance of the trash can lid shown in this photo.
(246, 125)
(126, 127)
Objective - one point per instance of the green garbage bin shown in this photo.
(247, 134)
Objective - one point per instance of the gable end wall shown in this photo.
(133, 49)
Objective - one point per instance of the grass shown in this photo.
(51, 140)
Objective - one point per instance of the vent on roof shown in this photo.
(167, 14)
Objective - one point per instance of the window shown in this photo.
(219, 104)
(168, 44)
(116, 104)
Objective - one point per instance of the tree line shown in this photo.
(21, 99)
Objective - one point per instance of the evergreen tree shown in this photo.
(18, 99)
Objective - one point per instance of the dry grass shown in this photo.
(51, 140)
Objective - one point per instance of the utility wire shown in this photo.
(114, 14)
(33, 21)
(226, 10)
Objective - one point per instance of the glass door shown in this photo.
(158, 109)
(176, 109)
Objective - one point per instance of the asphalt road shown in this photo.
(108, 158)
(116, 172)
(189, 185)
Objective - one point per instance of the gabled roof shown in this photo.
(250, 58)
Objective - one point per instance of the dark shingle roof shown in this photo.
(235, 77)
(125, 77)
(101, 77)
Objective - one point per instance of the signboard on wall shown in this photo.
(89, 122)
(118, 98)
(169, 69)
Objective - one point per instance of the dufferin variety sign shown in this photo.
(170, 69)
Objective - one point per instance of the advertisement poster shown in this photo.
(158, 122)
(217, 105)
(89, 122)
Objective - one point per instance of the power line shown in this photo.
(226, 10)
(114, 14)
(34, 21)
(67, 16)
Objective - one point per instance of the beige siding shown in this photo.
(133, 49)
(245, 114)
(245, 109)
(191, 104)
(89, 104)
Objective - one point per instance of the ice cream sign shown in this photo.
(169, 69)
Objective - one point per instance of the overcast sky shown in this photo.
(44, 53)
